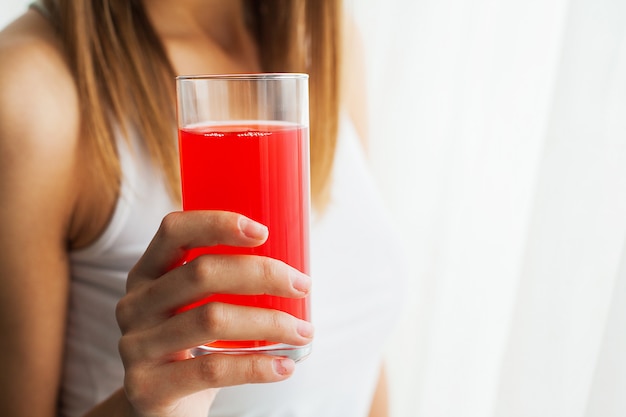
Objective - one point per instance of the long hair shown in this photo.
(125, 80)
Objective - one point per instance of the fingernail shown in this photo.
(252, 229)
(283, 366)
(300, 281)
(305, 329)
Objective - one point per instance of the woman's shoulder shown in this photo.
(31, 37)
(38, 98)
(37, 90)
(39, 126)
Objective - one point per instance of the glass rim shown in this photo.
(260, 76)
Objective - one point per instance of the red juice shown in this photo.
(261, 170)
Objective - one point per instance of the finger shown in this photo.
(222, 274)
(156, 301)
(172, 381)
(181, 231)
(215, 321)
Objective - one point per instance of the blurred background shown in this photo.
(498, 138)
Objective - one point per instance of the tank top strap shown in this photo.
(40, 7)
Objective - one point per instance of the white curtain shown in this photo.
(499, 139)
(498, 133)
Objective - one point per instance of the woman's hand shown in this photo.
(162, 378)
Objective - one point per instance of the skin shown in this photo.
(54, 207)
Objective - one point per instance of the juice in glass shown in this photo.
(265, 180)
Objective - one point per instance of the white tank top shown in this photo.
(357, 277)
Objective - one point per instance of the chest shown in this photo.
(202, 56)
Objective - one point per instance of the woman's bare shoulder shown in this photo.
(39, 124)
(31, 37)
(37, 90)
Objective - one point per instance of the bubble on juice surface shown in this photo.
(253, 134)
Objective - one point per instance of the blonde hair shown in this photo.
(117, 60)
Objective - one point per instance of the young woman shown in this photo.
(90, 223)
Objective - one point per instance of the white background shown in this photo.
(499, 140)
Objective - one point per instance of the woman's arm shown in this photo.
(38, 131)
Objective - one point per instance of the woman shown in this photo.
(88, 174)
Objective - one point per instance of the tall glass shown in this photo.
(244, 147)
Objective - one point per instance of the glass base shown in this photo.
(297, 353)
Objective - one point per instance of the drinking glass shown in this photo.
(244, 147)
